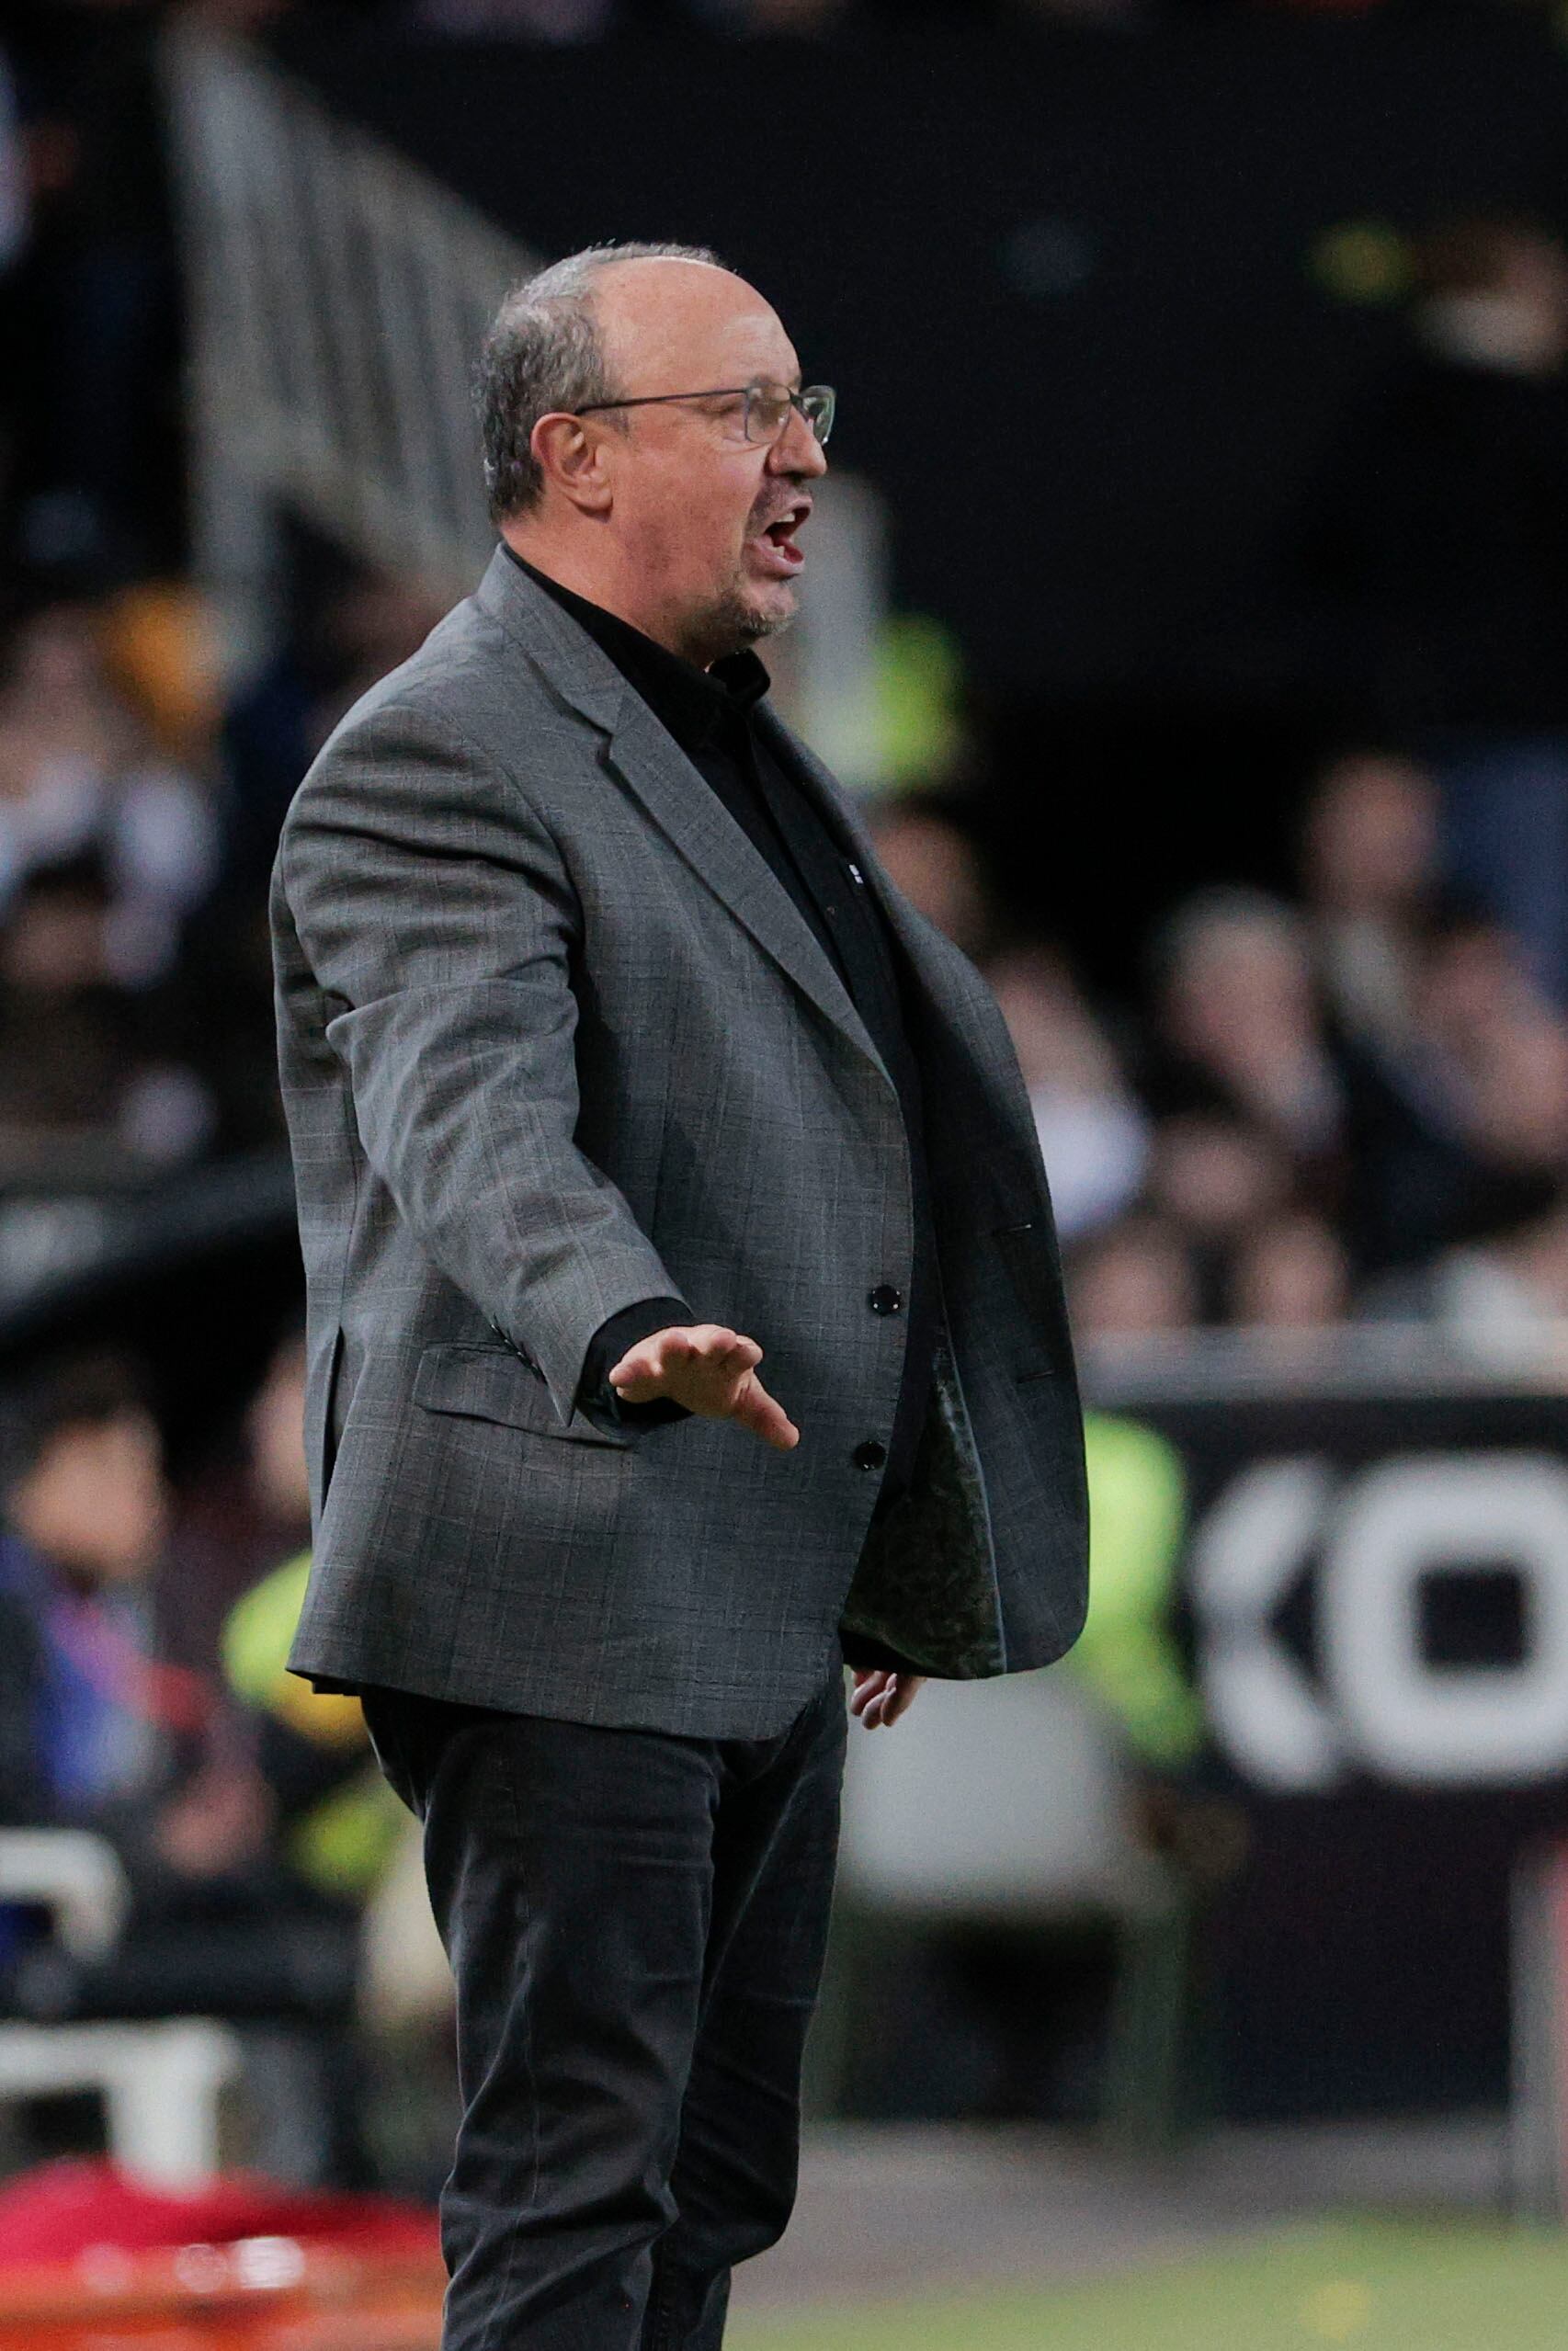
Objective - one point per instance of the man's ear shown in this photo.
(570, 456)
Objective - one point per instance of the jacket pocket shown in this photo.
(324, 1417)
(492, 1383)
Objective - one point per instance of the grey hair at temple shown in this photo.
(543, 352)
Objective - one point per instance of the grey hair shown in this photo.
(543, 352)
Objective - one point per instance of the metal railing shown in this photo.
(336, 296)
(1353, 1359)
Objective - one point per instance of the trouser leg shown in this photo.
(571, 1873)
(636, 1925)
(775, 1848)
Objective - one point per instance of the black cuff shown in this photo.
(596, 1400)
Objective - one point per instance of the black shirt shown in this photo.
(709, 714)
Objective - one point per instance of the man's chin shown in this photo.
(757, 617)
(747, 615)
(759, 625)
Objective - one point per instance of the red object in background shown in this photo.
(90, 2259)
(63, 2209)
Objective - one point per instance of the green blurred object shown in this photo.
(919, 682)
(1127, 1652)
(1456, 2286)
(346, 1839)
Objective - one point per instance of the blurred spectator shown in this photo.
(339, 1816)
(1092, 1132)
(1477, 1085)
(280, 719)
(938, 870)
(94, 1731)
(1135, 1280)
(78, 775)
(1218, 1181)
(1237, 1024)
(1503, 1290)
(343, 643)
(1506, 1048)
(343, 1834)
(1291, 1275)
(99, 1731)
(159, 642)
(1214, 1177)
(1370, 872)
(86, 1080)
(1370, 861)
(1439, 558)
(244, 1508)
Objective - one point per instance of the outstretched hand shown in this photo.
(711, 1371)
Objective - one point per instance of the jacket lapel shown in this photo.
(654, 768)
(844, 820)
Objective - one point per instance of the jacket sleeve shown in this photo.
(596, 1400)
(437, 917)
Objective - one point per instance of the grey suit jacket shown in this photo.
(556, 1040)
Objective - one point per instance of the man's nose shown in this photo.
(798, 450)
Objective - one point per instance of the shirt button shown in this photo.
(870, 1456)
(884, 1299)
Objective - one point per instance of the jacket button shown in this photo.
(884, 1299)
(870, 1456)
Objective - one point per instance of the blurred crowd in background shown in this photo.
(1349, 1101)
(1343, 1103)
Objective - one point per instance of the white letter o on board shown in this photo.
(1448, 1725)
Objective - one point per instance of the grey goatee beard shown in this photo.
(740, 624)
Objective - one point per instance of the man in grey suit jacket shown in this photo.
(611, 1059)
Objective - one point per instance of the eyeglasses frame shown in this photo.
(729, 392)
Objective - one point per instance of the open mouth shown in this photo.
(779, 537)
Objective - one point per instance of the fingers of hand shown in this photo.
(708, 1368)
(904, 1697)
(755, 1409)
(641, 1371)
(716, 1369)
(869, 1687)
(648, 1369)
(881, 1698)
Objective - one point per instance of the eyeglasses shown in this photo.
(768, 406)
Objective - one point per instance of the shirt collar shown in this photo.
(694, 705)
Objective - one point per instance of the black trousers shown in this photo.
(636, 1925)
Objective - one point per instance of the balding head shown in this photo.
(666, 321)
(544, 353)
(646, 443)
